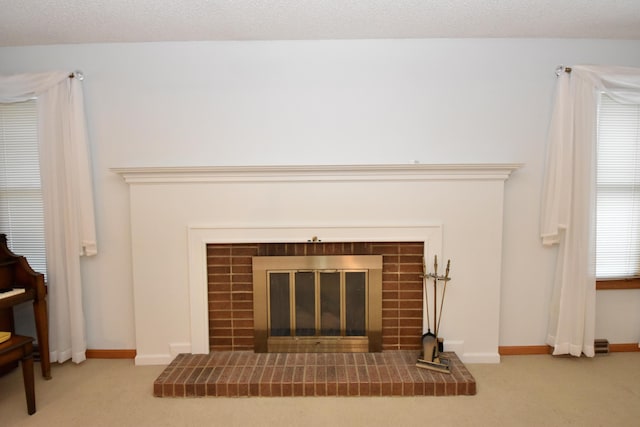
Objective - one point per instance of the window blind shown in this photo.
(21, 210)
(618, 190)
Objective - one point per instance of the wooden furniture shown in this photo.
(16, 274)
(19, 348)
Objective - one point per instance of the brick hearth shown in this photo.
(244, 373)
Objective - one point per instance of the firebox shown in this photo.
(307, 304)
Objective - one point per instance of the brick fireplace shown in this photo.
(230, 300)
(233, 369)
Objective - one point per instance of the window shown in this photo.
(21, 210)
(618, 191)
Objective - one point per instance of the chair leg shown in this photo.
(29, 386)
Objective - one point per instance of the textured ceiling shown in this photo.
(33, 22)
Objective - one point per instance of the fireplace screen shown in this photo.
(318, 303)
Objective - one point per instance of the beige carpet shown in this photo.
(520, 391)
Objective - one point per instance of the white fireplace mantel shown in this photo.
(175, 211)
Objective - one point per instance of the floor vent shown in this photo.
(601, 346)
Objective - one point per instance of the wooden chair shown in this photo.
(20, 348)
(17, 275)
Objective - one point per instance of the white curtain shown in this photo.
(67, 199)
(568, 201)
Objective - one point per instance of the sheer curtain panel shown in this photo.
(568, 214)
(67, 199)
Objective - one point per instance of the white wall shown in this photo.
(327, 102)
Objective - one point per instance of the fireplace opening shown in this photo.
(317, 303)
(231, 297)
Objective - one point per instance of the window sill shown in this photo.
(604, 285)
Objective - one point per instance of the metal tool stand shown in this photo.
(430, 356)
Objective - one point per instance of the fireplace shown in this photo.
(238, 294)
(456, 211)
(316, 304)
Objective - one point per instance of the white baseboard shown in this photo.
(480, 357)
(179, 347)
(456, 346)
(163, 359)
(153, 359)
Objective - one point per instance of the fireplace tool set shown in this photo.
(430, 356)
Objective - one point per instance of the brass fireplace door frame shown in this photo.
(264, 343)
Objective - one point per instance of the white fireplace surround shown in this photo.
(456, 210)
(200, 236)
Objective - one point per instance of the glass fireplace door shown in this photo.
(317, 303)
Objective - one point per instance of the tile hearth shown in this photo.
(245, 373)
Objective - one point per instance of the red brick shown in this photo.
(241, 287)
(242, 314)
(221, 341)
(218, 250)
(241, 260)
(241, 296)
(243, 343)
(410, 304)
(219, 305)
(391, 268)
(220, 314)
(410, 313)
(215, 270)
(388, 304)
(242, 278)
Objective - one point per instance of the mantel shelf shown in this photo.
(301, 173)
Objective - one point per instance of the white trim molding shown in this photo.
(228, 174)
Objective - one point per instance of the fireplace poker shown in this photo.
(425, 276)
(446, 279)
(435, 298)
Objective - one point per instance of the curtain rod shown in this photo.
(77, 74)
(562, 69)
